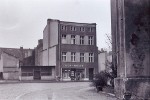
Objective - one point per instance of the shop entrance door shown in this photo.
(91, 70)
(79, 74)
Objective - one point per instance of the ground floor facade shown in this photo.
(37, 73)
(73, 71)
(75, 74)
(68, 72)
(9, 73)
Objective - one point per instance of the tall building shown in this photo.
(71, 49)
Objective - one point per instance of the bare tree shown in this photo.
(109, 41)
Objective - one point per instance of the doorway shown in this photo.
(91, 73)
(37, 75)
(1, 75)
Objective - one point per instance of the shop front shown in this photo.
(74, 71)
(37, 73)
(73, 74)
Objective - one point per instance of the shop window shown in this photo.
(26, 74)
(46, 71)
(30, 74)
(66, 73)
(46, 74)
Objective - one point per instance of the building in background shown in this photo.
(105, 61)
(70, 49)
(35, 70)
(101, 61)
(39, 53)
(10, 60)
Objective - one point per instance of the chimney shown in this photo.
(21, 48)
(22, 53)
(40, 41)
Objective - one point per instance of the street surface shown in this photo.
(51, 91)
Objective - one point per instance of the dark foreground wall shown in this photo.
(131, 44)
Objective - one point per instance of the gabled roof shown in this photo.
(16, 52)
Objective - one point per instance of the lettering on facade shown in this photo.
(73, 65)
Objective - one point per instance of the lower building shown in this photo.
(10, 60)
(9, 67)
(37, 73)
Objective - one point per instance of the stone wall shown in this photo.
(131, 29)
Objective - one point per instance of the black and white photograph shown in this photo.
(74, 49)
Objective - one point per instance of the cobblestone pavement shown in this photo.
(51, 91)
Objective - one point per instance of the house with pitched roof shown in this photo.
(10, 60)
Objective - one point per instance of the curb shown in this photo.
(34, 81)
(110, 94)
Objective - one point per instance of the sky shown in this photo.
(22, 21)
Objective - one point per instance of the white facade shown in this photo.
(102, 61)
(49, 42)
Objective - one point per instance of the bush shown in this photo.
(100, 80)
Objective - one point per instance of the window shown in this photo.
(46, 71)
(73, 39)
(65, 73)
(81, 40)
(90, 40)
(64, 56)
(73, 56)
(90, 29)
(63, 27)
(26, 74)
(91, 57)
(82, 29)
(73, 28)
(63, 39)
(81, 57)
(63, 36)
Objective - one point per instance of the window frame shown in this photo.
(73, 56)
(81, 40)
(82, 29)
(64, 56)
(91, 57)
(82, 57)
(90, 40)
(63, 27)
(63, 38)
(73, 39)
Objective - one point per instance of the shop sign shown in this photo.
(73, 65)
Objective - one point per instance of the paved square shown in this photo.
(51, 91)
